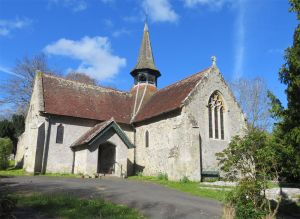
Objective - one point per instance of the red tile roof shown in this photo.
(169, 98)
(91, 133)
(69, 98)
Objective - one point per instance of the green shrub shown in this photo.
(162, 176)
(247, 200)
(5, 150)
(185, 179)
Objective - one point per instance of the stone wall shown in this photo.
(28, 141)
(197, 113)
(88, 156)
(60, 156)
(175, 141)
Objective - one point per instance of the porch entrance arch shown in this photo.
(106, 158)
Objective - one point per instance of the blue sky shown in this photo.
(102, 37)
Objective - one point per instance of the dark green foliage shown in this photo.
(6, 129)
(5, 151)
(12, 128)
(18, 123)
(247, 200)
(253, 159)
(287, 130)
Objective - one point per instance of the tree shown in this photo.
(252, 159)
(252, 97)
(5, 151)
(287, 130)
(81, 77)
(18, 90)
(12, 129)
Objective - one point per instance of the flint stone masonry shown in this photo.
(175, 141)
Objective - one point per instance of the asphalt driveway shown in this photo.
(152, 200)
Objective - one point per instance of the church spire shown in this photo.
(145, 64)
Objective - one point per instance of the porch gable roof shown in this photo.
(98, 131)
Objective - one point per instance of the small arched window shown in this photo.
(147, 138)
(216, 116)
(60, 134)
(142, 78)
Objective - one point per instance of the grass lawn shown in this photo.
(192, 188)
(11, 171)
(66, 206)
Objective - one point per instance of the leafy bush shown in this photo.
(247, 200)
(252, 159)
(162, 176)
(5, 150)
(185, 179)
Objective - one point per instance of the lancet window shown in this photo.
(216, 116)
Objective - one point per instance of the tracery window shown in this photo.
(147, 139)
(216, 116)
(60, 134)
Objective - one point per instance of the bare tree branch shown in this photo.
(252, 97)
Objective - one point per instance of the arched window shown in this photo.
(222, 122)
(142, 78)
(147, 139)
(216, 123)
(60, 134)
(216, 116)
(210, 122)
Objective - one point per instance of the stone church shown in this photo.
(73, 127)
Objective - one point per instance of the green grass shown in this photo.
(11, 171)
(192, 188)
(66, 206)
(69, 175)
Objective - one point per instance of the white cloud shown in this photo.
(160, 10)
(74, 5)
(94, 53)
(214, 4)
(7, 26)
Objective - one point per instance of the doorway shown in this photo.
(106, 158)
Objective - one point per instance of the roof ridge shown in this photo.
(186, 78)
(85, 84)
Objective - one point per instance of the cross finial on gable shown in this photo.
(214, 61)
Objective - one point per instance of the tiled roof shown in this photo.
(69, 98)
(91, 133)
(99, 130)
(169, 98)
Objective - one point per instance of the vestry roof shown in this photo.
(69, 98)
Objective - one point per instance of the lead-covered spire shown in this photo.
(145, 60)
